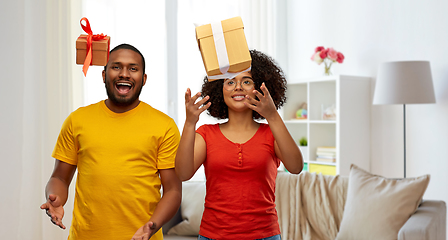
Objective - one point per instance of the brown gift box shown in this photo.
(100, 50)
(235, 41)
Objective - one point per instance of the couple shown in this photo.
(125, 151)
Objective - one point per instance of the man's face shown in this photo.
(124, 78)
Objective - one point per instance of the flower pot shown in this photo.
(304, 150)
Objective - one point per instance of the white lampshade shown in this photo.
(406, 82)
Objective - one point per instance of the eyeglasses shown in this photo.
(246, 84)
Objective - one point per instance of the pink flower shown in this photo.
(317, 58)
(323, 53)
(318, 49)
(340, 58)
(328, 56)
(332, 54)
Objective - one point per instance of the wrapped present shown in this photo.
(224, 49)
(91, 49)
(100, 50)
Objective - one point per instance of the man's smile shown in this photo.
(123, 88)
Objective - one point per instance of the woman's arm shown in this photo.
(285, 147)
(192, 149)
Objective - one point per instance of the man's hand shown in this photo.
(145, 232)
(54, 210)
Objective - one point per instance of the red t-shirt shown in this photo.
(240, 186)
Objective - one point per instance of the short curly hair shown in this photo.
(264, 69)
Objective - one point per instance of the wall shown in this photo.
(371, 32)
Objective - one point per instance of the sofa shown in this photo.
(315, 206)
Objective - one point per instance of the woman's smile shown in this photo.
(238, 97)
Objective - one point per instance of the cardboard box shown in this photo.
(235, 42)
(100, 50)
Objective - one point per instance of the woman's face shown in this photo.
(236, 89)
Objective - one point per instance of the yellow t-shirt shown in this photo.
(118, 157)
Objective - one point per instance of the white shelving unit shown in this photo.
(349, 133)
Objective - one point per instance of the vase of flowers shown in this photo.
(328, 57)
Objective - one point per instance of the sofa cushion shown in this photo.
(377, 207)
(192, 207)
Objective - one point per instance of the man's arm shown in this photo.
(56, 191)
(167, 207)
(172, 196)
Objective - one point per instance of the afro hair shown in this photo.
(264, 69)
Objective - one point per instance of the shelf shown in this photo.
(349, 100)
(323, 121)
(310, 121)
(296, 121)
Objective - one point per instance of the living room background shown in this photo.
(44, 84)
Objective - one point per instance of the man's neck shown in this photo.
(119, 108)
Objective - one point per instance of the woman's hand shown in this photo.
(193, 109)
(265, 106)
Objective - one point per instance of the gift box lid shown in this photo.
(97, 45)
(227, 25)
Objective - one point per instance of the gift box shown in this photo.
(223, 48)
(100, 50)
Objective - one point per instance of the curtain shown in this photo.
(37, 55)
(259, 20)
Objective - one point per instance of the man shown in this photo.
(120, 147)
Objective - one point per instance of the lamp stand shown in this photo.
(404, 137)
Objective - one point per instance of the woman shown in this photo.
(240, 156)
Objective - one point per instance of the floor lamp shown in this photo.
(405, 82)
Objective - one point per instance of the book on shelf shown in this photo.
(326, 149)
(326, 159)
(327, 154)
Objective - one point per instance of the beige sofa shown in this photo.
(313, 206)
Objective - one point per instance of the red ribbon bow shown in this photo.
(90, 37)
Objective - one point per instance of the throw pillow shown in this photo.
(191, 207)
(377, 207)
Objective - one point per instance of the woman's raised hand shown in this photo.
(265, 106)
(193, 109)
